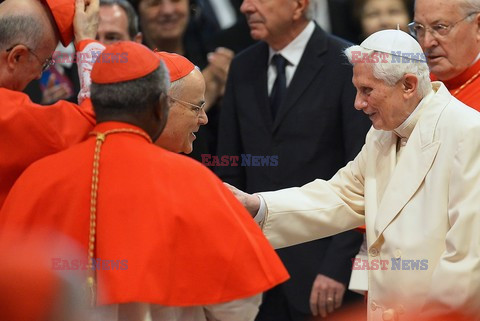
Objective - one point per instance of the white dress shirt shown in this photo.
(293, 53)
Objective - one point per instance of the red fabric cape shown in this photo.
(186, 238)
(470, 95)
(29, 132)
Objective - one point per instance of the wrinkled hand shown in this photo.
(326, 296)
(251, 202)
(85, 21)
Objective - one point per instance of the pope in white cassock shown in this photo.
(415, 184)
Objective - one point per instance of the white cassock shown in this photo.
(422, 212)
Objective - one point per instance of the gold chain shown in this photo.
(100, 139)
(468, 82)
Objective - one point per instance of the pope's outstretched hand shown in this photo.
(251, 202)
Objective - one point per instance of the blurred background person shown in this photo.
(448, 31)
(375, 15)
(118, 21)
(34, 289)
(334, 16)
(58, 82)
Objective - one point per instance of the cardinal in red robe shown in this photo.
(29, 131)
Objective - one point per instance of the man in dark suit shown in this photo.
(301, 114)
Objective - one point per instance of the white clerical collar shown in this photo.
(476, 59)
(293, 52)
(406, 128)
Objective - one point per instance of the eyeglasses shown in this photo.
(197, 109)
(45, 65)
(438, 30)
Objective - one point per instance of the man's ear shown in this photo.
(301, 8)
(409, 85)
(17, 55)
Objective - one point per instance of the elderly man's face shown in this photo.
(27, 62)
(113, 25)
(164, 19)
(269, 19)
(451, 54)
(385, 105)
(184, 121)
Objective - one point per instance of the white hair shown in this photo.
(392, 70)
(309, 13)
(177, 86)
(469, 6)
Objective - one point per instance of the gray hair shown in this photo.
(133, 97)
(309, 13)
(20, 29)
(470, 6)
(391, 70)
(132, 16)
(176, 87)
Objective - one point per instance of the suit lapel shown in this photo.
(415, 163)
(405, 181)
(308, 68)
(256, 90)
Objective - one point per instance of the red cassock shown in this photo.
(186, 239)
(29, 132)
(466, 86)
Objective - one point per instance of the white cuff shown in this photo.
(260, 216)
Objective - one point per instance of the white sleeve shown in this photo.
(317, 209)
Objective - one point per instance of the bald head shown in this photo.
(26, 22)
(28, 36)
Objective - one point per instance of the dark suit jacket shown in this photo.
(341, 20)
(316, 131)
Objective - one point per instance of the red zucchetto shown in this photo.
(124, 61)
(178, 66)
(63, 12)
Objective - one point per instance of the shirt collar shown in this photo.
(294, 50)
(406, 128)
